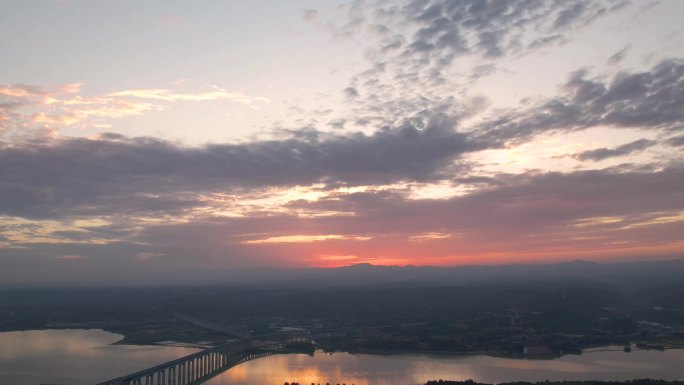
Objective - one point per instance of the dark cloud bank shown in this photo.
(82, 176)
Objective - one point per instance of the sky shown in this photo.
(147, 141)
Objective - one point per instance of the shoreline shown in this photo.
(448, 353)
(440, 353)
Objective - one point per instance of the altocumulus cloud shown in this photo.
(413, 47)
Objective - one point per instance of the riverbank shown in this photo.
(499, 354)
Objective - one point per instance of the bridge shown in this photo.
(199, 367)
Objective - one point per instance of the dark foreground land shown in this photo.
(532, 311)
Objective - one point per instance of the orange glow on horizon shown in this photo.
(607, 254)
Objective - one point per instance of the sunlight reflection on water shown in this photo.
(363, 369)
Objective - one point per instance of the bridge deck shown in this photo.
(198, 367)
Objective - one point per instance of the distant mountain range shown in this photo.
(623, 274)
(620, 273)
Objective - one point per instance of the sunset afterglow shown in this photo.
(325, 134)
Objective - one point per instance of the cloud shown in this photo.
(413, 47)
(515, 214)
(517, 207)
(309, 14)
(71, 257)
(144, 175)
(571, 14)
(618, 56)
(146, 256)
(482, 71)
(171, 96)
(437, 31)
(605, 153)
(29, 112)
(676, 141)
(490, 28)
(337, 123)
(351, 92)
(649, 100)
(597, 212)
(304, 238)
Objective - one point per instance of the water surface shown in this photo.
(86, 357)
(408, 369)
(74, 357)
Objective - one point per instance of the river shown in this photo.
(74, 357)
(85, 357)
